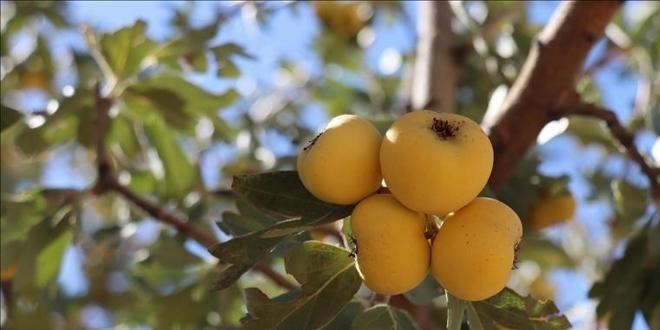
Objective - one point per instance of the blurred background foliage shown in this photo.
(223, 89)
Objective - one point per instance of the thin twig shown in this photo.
(274, 276)
(625, 139)
(107, 181)
(157, 212)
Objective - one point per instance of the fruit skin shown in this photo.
(551, 210)
(393, 255)
(431, 174)
(341, 164)
(473, 251)
(342, 18)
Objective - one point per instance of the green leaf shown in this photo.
(544, 252)
(589, 130)
(8, 117)
(282, 195)
(223, 57)
(455, 310)
(329, 280)
(278, 196)
(126, 49)
(629, 201)
(50, 258)
(19, 214)
(474, 319)
(191, 42)
(345, 318)
(632, 283)
(179, 173)
(425, 292)
(384, 317)
(510, 310)
(195, 101)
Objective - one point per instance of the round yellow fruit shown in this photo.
(473, 251)
(345, 19)
(341, 164)
(552, 210)
(393, 254)
(435, 163)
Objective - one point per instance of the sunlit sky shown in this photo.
(289, 36)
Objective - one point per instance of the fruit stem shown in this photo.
(432, 225)
(313, 141)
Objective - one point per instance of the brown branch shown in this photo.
(550, 69)
(223, 193)
(157, 212)
(625, 139)
(276, 277)
(434, 82)
(106, 181)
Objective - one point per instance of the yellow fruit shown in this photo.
(36, 80)
(393, 255)
(341, 164)
(541, 288)
(552, 210)
(345, 19)
(435, 163)
(473, 251)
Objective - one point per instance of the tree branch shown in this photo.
(550, 69)
(625, 139)
(107, 181)
(434, 83)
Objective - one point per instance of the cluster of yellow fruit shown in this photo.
(434, 165)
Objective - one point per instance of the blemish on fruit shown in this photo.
(313, 141)
(444, 129)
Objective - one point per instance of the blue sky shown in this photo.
(289, 36)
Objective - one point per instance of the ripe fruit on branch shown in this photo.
(393, 254)
(551, 210)
(435, 163)
(340, 165)
(473, 251)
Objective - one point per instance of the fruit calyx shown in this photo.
(444, 129)
(312, 141)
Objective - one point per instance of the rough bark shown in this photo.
(434, 83)
(550, 69)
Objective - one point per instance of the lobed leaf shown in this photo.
(329, 280)
(510, 310)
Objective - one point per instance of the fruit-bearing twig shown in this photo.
(625, 139)
(106, 181)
